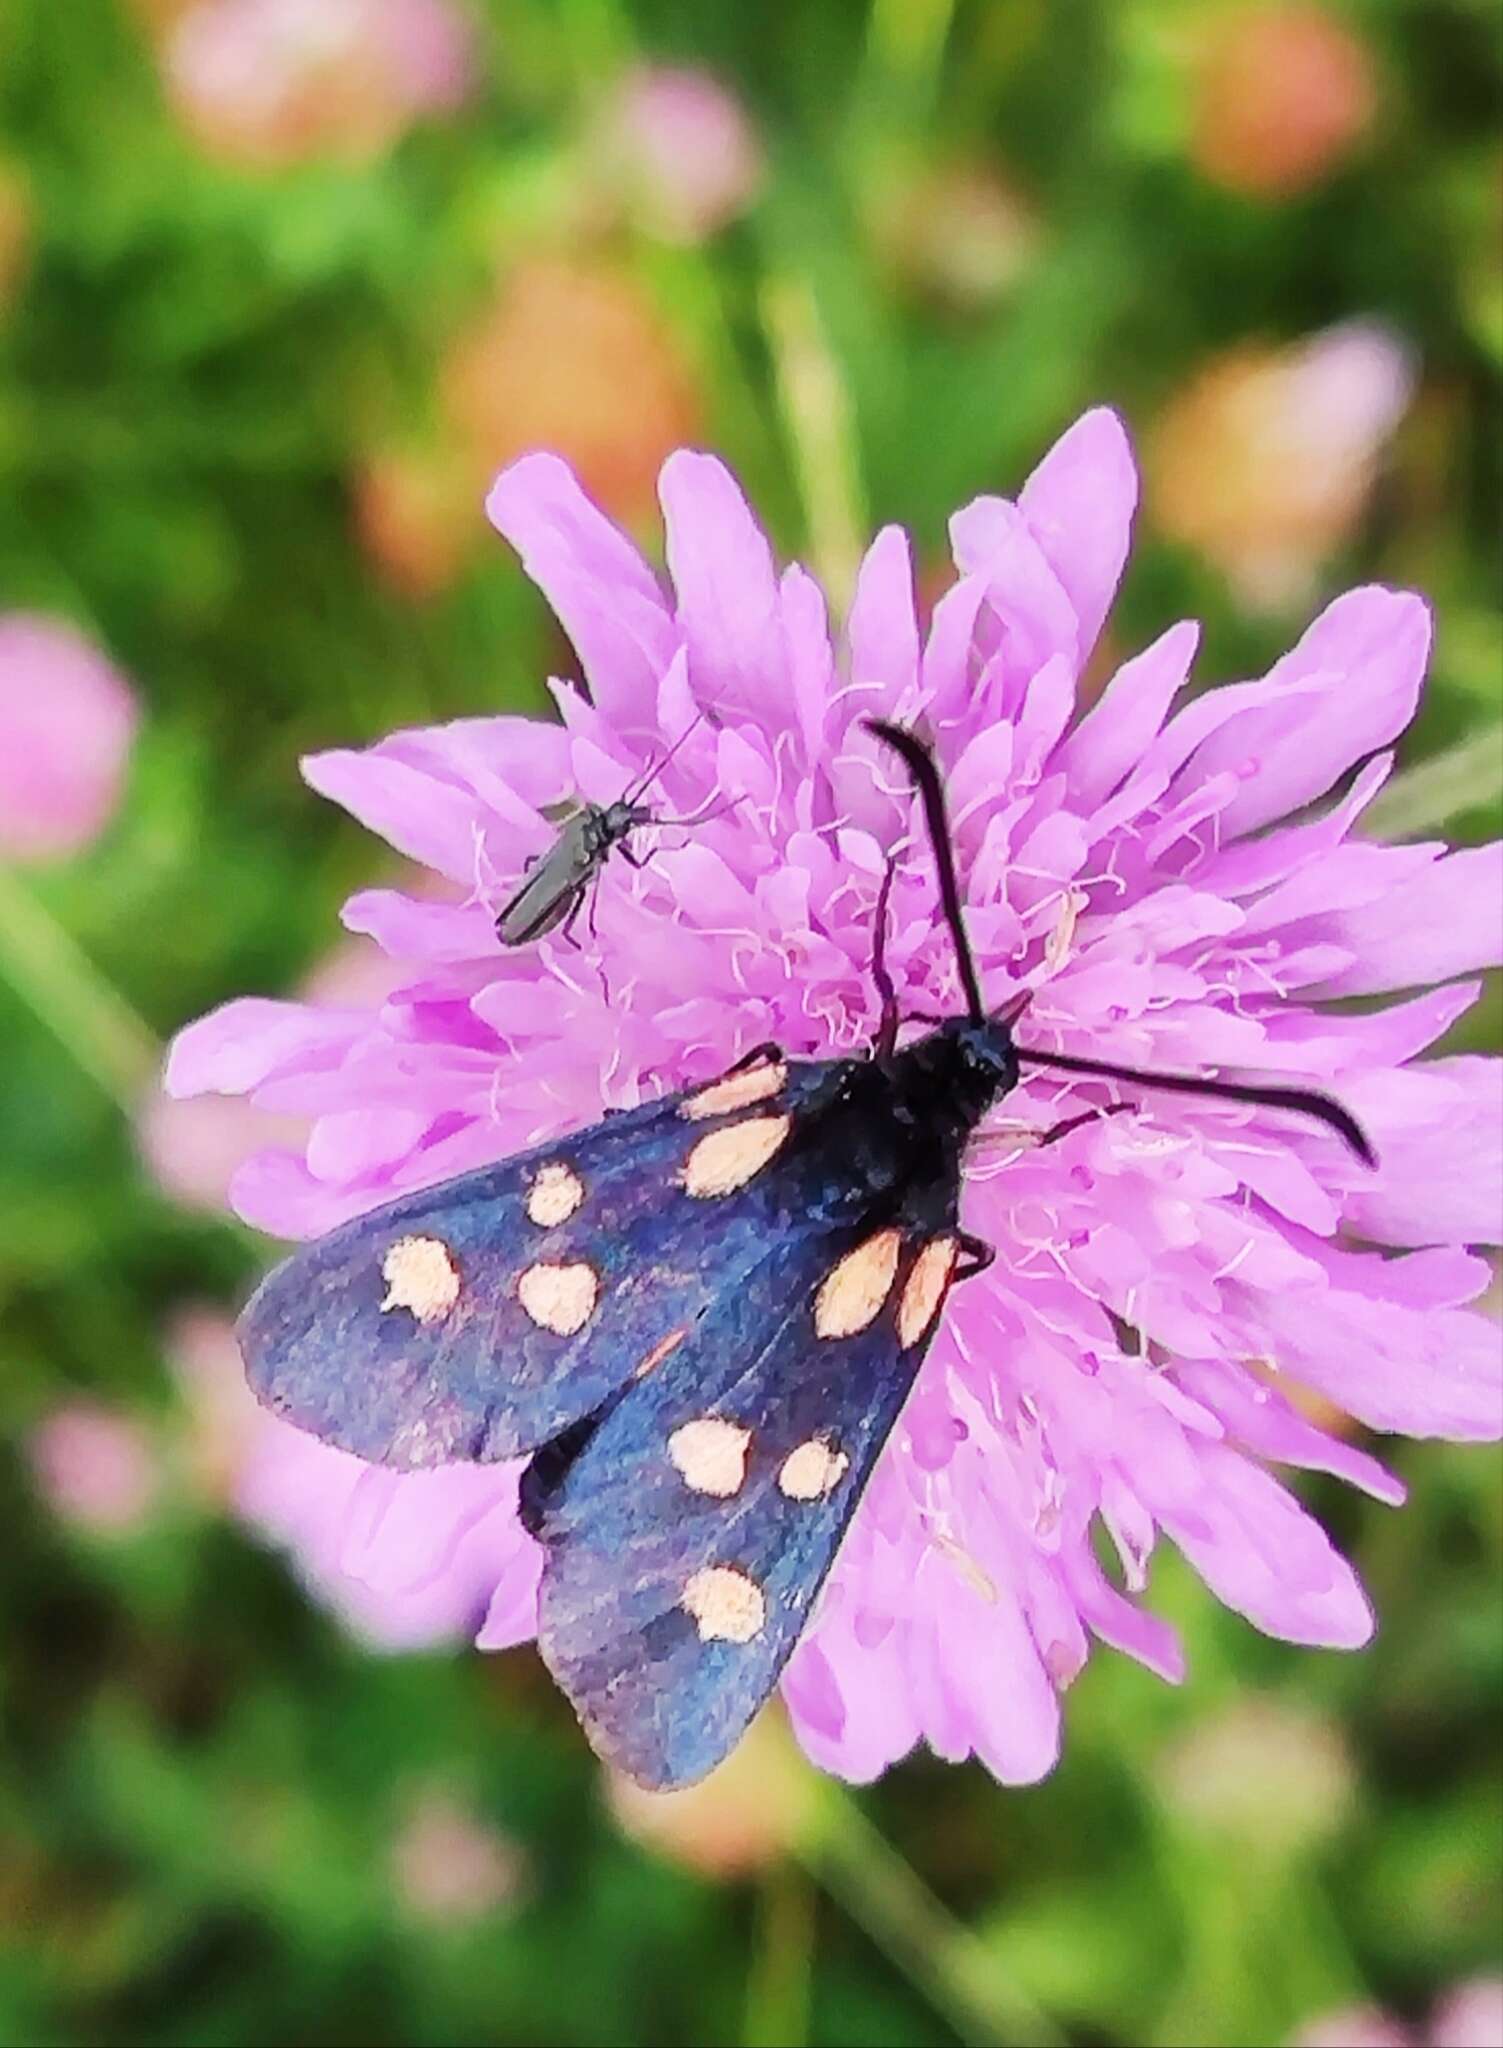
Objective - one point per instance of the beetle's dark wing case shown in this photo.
(477, 1319)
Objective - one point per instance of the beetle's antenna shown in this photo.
(920, 761)
(630, 795)
(1301, 1101)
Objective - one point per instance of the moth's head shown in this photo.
(988, 1052)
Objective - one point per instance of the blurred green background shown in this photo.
(272, 310)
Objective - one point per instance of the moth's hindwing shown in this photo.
(688, 1538)
(480, 1318)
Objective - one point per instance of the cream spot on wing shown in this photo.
(726, 1603)
(420, 1275)
(813, 1470)
(924, 1289)
(710, 1453)
(559, 1298)
(659, 1352)
(736, 1091)
(555, 1194)
(728, 1158)
(853, 1291)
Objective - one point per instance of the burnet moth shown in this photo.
(699, 1320)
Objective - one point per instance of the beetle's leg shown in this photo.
(594, 906)
(571, 918)
(629, 857)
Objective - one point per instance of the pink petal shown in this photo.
(1367, 653)
(432, 821)
(1446, 920)
(1438, 1130)
(1079, 503)
(606, 598)
(1110, 740)
(243, 1043)
(1262, 1555)
(882, 630)
(724, 579)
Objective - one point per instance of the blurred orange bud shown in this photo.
(1283, 94)
(572, 356)
(748, 1813)
(417, 513)
(1263, 463)
(449, 1866)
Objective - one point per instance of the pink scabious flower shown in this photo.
(67, 720)
(1172, 887)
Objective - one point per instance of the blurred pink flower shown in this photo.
(1130, 868)
(67, 719)
(682, 148)
(1285, 92)
(1470, 2015)
(1265, 461)
(448, 1866)
(1355, 2026)
(95, 1467)
(269, 81)
(401, 1565)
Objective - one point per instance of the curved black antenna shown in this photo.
(887, 1030)
(630, 795)
(921, 767)
(1302, 1101)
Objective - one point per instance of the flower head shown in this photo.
(1159, 1274)
(67, 719)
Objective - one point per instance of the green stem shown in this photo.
(885, 1896)
(777, 1991)
(906, 41)
(54, 976)
(817, 413)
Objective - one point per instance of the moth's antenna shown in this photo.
(630, 796)
(926, 776)
(1302, 1101)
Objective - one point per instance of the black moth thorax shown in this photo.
(890, 1144)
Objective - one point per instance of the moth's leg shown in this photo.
(1073, 1123)
(977, 1251)
(760, 1055)
(887, 1029)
